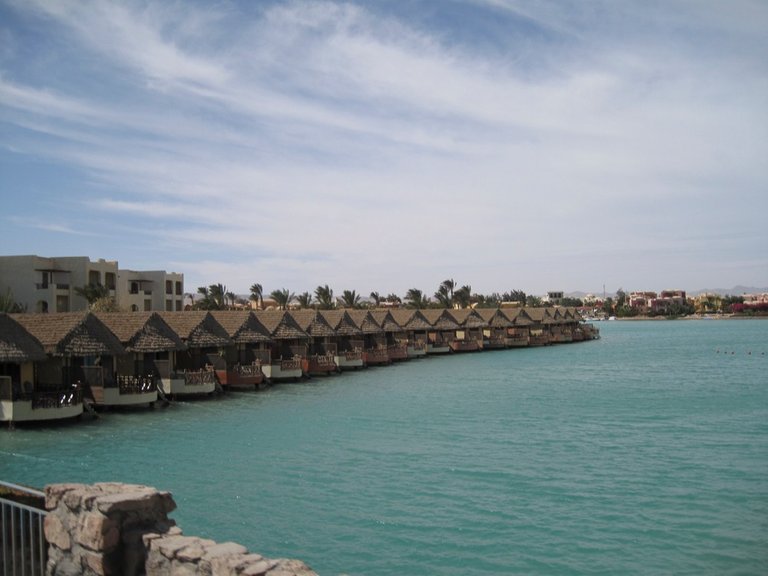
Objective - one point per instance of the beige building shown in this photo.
(44, 284)
(150, 290)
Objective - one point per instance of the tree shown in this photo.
(444, 296)
(106, 304)
(214, 297)
(515, 296)
(257, 295)
(449, 286)
(393, 299)
(376, 299)
(282, 297)
(324, 297)
(98, 297)
(92, 292)
(350, 299)
(534, 301)
(463, 296)
(304, 300)
(416, 299)
(9, 304)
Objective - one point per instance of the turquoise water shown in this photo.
(645, 452)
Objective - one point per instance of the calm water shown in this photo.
(645, 452)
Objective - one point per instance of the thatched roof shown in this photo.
(366, 322)
(538, 315)
(341, 322)
(386, 320)
(518, 316)
(410, 319)
(72, 334)
(197, 328)
(143, 332)
(495, 318)
(440, 319)
(313, 323)
(468, 318)
(16, 344)
(281, 325)
(242, 326)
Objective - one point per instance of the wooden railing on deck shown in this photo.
(136, 384)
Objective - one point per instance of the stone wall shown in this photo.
(110, 529)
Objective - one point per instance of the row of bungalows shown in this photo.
(54, 365)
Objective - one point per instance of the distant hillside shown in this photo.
(735, 291)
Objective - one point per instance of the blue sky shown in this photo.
(385, 145)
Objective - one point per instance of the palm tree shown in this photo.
(92, 292)
(282, 298)
(231, 296)
(444, 296)
(376, 299)
(448, 287)
(214, 297)
(515, 296)
(9, 304)
(304, 300)
(463, 296)
(393, 299)
(324, 297)
(416, 298)
(257, 293)
(350, 299)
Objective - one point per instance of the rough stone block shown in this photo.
(289, 567)
(257, 568)
(168, 546)
(97, 532)
(180, 568)
(56, 532)
(54, 493)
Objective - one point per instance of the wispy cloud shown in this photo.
(386, 151)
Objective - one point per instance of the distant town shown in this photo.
(41, 284)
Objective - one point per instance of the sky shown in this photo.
(385, 145)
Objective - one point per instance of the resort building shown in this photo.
(42, 284)
(150, 290)
(48, 284)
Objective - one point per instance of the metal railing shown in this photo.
(23, 549)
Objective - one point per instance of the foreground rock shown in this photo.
(110, 529)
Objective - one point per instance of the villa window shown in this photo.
(168, 287)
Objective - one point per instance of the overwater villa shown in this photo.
(469, 336)
(322, 348)
(147, 340)
(539, 329)
(289, 346)
(495, 329)
(395, 335)
(416, 329)
(560, 331)
(81, 355)
(191, 372)
(375, 351)
(443, 327)
(248, 349)
(518, 334)
(20, 399)
(349, 339)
